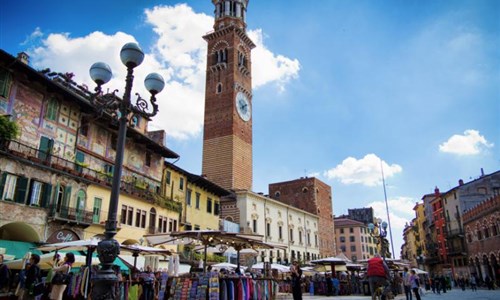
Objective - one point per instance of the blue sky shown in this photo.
(339, 87)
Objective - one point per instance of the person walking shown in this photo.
(296, 276)
(58, 288)
(473, 283)
(407, 283)
(147, 279)
(4, 276)
(378, 274)
(415, 284)
(32, 276)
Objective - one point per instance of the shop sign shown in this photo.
(63, 235)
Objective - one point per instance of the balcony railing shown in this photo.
(136, 185)
(71, 215)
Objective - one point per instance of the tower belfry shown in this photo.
(227, 134)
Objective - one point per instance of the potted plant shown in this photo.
(9, 130)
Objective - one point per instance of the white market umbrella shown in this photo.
(278, 267)
(78, 245)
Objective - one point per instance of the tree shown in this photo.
(8, 130)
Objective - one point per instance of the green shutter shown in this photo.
(21, 187)
(4, 83)
(47, 189)
(67, 197)
(2, 184)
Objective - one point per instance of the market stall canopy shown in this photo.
(47, 262)
(343, 257)
(418, 271)
(328, 261)
(278, 267)
(145, 250)
(71, 245)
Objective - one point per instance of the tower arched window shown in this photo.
(219, 88)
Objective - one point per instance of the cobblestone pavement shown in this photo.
(454, 294)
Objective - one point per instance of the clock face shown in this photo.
(243, 106)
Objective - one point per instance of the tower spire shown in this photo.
(230, 12)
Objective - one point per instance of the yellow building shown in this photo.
(200, 198)
(420, 220)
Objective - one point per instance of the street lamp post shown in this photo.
(379, 231)
(124, 110)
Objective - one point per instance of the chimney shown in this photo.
(460, 182)
(482, 172)
(23, 57)
(436, 191)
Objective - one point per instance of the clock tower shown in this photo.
(227, 134)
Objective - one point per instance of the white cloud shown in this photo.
(269, 67)
(400, 213)
(470, 143)
(178, 53)
(366, 171)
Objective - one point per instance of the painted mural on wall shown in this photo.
(27, 112)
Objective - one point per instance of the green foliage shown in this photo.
(8, 129)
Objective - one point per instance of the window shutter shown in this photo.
(67, 197)
(21, 187)
(2, 183)
(4, 83)
(47, 189)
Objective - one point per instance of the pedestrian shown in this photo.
(296, 276)
(61, 270)
(147, 279)
(4, 276)
(329, 285)
(407, 283)
(336, 286)
(437, 284)
(415, 284)
(32, 276)
(378, 274)
(473, 283)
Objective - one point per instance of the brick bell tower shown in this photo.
(227, 134)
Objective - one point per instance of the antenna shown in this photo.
(387, 208)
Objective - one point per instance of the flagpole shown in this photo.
(387, 209)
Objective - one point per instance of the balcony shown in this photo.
(456, 251)
(132, 183)
(71, 215)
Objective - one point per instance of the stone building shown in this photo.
(315, 197)
(353, 239)
(482, 231)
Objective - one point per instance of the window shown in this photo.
(167, 179)
(36, 193)
(342, 239)
(254, 226)
(84, 127)
(216, 208)
(13, 188)
(148, 159)
(353, 248)
(268, 229)
(188, 197)
(351, 230)
(181, 184)
(280, 232)
(51, 109)
(123, 217)
(130, 215)
(138, 214)
(209, 205)
(219, 88)
(316, 240)
(291, 234)
(342, 248)
(197, 204)
(479, 235)
(300, 237)
(196, 227)
(96, 211)
(308, 238)
(352, 239)
(5, 80)
(341, 230)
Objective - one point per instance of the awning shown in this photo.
(17, 249)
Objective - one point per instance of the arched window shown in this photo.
(219, 88)
(277, 195)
